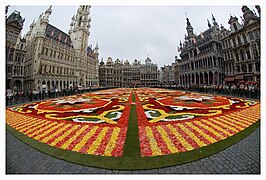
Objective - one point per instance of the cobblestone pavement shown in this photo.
(240, 158)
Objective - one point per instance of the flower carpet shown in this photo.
(98, 125)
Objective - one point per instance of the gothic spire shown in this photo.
(209, 25)
(214, 20)
(97, 46)
(47, 13)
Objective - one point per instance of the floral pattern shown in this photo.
(172, 122)
(168, 121)
(94, 123)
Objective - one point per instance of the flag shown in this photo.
(52, 34)
(201, 35)
(59, 37)
(65, 41)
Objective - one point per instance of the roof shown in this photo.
(15, 17)
(56, 34)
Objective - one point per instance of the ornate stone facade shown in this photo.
(123, 74)
(57, 60)
(15, 53)
(241, 47)
(201, 56)
(168, 74)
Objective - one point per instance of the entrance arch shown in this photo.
(206, 78)
(210, 77)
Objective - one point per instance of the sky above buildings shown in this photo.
(135, 32)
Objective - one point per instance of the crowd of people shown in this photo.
(244, 89)
(34, 95)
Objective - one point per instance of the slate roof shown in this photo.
(58, 35)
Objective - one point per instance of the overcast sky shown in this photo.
(135, 32)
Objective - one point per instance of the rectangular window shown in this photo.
(42, 51)
(229, 43)
(237, 57)
(9, 70)
(234, 42)
(257, 65)
(225, 56)
(248, 54)
(255, 52)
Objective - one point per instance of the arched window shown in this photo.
(250, 68)
(244, 38)
(255, 51)
(250, 34)
(242, 54)
(239, 40)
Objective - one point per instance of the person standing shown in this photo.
(241, 87)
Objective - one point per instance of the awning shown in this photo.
(229, 79)
(239, 77)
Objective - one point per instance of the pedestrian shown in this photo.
(30, 95)
(252, 91)
(246, 90)
(22, 95)
(241, 87)
(49, 93)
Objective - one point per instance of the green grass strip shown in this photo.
(131, 160)
(133, 97)
(132, 145)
